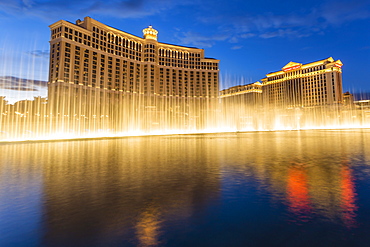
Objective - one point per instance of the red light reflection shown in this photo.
(348, 200)
(297, 191)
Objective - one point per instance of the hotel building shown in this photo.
(296, 85)
(240, 105)
(304, 85)
(252, 90)
(97, 71)
(283, 96)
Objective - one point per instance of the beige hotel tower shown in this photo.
(109, 78)
(304, 85)
(315, 84)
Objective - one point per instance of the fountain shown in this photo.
(107, 83)
(83, 114)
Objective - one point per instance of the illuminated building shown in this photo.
(97, 72)
(304, 85)
(247, 95)
(363, 104)
(240, 104)
(348, 99)
(278, 101)
(296, 85)
(252, 89)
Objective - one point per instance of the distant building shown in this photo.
(348, 99)
(363, 104)
(253, 88)
(240, 105)
(3, 102)
(304, 85)
(247, 96)
(277, 101)
(296, 85)
(35, 107)
(23, 106)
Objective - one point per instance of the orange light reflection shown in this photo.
(297, 192)
(348, 202)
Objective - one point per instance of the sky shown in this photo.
(250, 38)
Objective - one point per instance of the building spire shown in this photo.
(150, 33)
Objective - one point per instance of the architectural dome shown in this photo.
(150, 33)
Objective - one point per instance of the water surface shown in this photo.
(291, 188)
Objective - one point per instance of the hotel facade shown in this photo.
(241, 106)
(99, 72)
(296, 85)
(297, 95)
(304, 85)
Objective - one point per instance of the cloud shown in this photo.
(193, 38)
(298, 24)
(236, 47)
(20, 84)
(341, 11)
(48, 9)
(284, 33)
(247, 35)
(39, 53)
(306, 48)
(232, 24)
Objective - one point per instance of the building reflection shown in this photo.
(128, 189)
(311, 174)
(148, 228)
(336, 199)
(134, 191)
(348, 203)
(297, 191)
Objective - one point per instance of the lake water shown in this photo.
(291, 188)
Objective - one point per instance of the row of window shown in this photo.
(117, 45)
(84, 67)
(296, 73)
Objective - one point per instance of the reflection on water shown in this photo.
(340, 199)
(260, 188)
(348, 197)
(148, 228)
(297, 191)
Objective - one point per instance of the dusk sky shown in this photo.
(251, 38)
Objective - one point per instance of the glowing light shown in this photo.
(292, 68)
(150, 33)
(297, 190)
(348, 202)
(77, 109)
